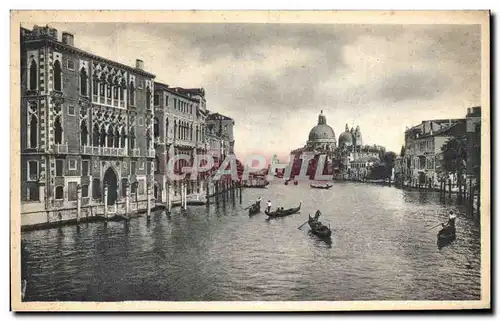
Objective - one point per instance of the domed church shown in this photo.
(321, 136)
(350, 158)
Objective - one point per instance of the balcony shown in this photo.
(103, 151)
(136, 152)
(61, 148)
(150, 153)
(86, 150)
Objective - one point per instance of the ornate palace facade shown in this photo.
(86, 130)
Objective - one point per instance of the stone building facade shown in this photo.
(423, 157)
(86, 128)
(179, 129)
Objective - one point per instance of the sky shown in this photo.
(274, 79)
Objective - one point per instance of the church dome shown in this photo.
(345, 139)
(321, 132)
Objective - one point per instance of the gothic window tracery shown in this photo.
(33, 75)
(57, 76)
(58, 130)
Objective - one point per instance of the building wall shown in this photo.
(72, 107)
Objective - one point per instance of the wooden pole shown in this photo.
(148, 196)
(106, 202)
(127, 199)
(169, 198)
(78, 203)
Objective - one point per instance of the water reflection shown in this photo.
(381, 248)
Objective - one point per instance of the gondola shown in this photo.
(286, 212)
(327, 186)
(254, 209)
(318, 228)
(256, 185)
(446, 235)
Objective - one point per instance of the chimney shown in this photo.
(139, 64)
(68, 38)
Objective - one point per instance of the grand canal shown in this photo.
(381, 249)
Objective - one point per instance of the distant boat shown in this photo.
(321, 186)
(282, 213)
(255, 184)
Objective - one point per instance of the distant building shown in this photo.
(86, 122)
(473, 132)
(179, 129)
(349, 160)
(423, 157)
(220, 136)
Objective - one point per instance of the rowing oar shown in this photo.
(303, 224)
(434, 227)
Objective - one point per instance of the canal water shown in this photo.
(381, 249)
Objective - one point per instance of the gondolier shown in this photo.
(258, 201)
(269, 205)
(451, 221)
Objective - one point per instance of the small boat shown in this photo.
(321, 186)
(262, 184)
(446, 235)
(319, 228)
(254, 209)
(119, 218)
(282, 213)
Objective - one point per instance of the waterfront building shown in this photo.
(220, 137)
(423, 157)
(179, 129)
(86, 124)
(473, 132)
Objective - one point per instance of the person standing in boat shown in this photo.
(258, 201)
(451, 221)
(269, 206)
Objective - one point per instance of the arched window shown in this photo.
(123, 85)
(84, 133)
(57, 76)
(83, 82)
(175, 129)
(58, 130)
(132, 94)
(33, 131)
(117, 137)
(59, 193)
(95, 135)
(33, 75)
(95, 85)
(123, 136)
(132, 137)
(102, 140)
(156, 127)
(111, 135)
(191, 132)
(148, 98)
(102, 83)
(115, 92)
(108, 86)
